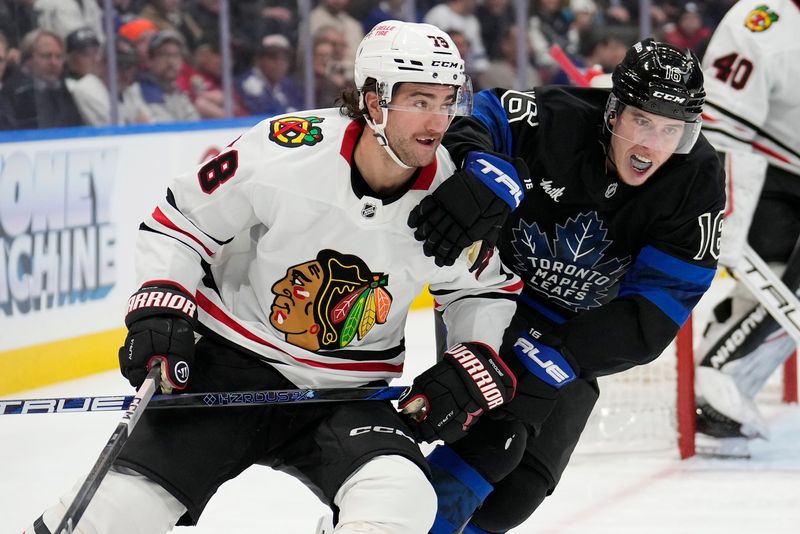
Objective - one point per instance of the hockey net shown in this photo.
(652, 407)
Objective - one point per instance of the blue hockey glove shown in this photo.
(471, 205)
(541, 372)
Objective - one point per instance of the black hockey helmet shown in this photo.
(661, 79)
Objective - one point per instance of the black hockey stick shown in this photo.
(213, 399)
(110, 452)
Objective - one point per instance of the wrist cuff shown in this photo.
(543, 361)
(498, 175)
(160, 301)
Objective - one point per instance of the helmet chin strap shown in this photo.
(381, 137)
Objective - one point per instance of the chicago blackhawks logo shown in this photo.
(327, 302)
(760, 19)
(572, 270)
(295, 131)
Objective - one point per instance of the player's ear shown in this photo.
(375, 112)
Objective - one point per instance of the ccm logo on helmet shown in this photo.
(668, 97)
(445, 64)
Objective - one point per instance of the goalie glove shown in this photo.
(471, 205)
(160, 323)
(447, 399)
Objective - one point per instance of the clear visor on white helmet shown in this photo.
(459, 103)
(655, 132)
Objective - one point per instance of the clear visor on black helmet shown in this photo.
(458, 104)
(656, 132)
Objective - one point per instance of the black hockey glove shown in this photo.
(445, 400)
(471, 205)
(541, 372)
(160, 323)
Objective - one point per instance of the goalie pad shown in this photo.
(721, 392)
(744, 177)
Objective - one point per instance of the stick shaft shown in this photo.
(189, 400)
(109, 453)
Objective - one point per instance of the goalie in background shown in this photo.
(615, 233)
(752, 109)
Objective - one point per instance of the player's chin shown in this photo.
(635, 177)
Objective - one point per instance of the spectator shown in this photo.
(549, 25)
(504, 71)
(202, 81)
(83, 54)
(38, 95)
(17, 18)
(91, 93)
(62, 17)
(254, 19)
(266, 89)
(383, 10)
(124, 12)
(584, 16)
(332, 13)
(6, 107)
(460, 15)
(496, 17)
(170, 15)
(689, 32)
(158, 86)
(329, 80)
(140, 32)
(340, 63)
(600, 46)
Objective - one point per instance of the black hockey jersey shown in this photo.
(614, 270)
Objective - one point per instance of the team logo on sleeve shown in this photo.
(760, 19)
(296, 131)
(327, 302)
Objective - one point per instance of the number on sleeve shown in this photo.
(734, 69)
(217, 171)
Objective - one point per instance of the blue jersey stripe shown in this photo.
(673, 285)
(662, 261)
(488, 109)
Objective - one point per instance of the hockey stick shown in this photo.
(754, 327)
(110, 452)
(194, 400)
(770, 291)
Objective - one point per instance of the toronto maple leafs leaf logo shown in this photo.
(571, 269)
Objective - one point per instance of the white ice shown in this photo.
(652, 493)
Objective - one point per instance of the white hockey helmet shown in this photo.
(395, 52)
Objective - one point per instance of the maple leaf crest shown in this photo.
(570, 268)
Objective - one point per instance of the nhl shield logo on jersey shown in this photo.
(760, 19)
(327, 302)
(296, 131)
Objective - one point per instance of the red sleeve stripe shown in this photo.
(159, 216)
(513, 288)
(214, 311)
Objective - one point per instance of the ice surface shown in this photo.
(652, 493)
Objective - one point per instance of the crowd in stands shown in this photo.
(53, 68)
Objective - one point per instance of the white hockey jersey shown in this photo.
(752, 81)
(289, 258)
